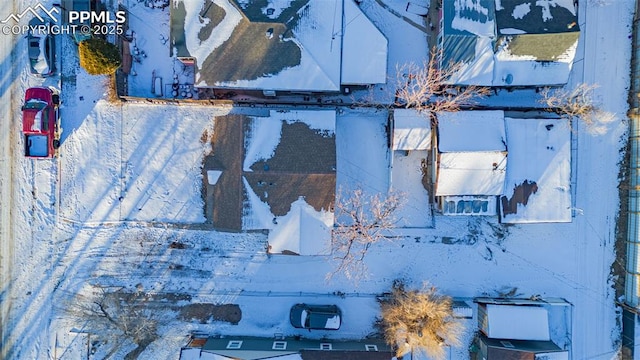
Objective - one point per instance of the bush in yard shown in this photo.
(99, 57)
(419, 320)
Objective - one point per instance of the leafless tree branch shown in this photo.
(361, 220)
(425, 87)
(117, 316)
(578, 103)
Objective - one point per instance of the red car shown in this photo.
(40, 122)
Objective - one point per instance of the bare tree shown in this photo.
(425, 87)
(361, 220)
(578, 103)
(118, 316)
(415, 320)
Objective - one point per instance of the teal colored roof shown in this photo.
(482, 13)
(294, 345)
(458, 48)
(461, 28)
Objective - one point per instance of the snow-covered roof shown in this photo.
(272, 186)
(476, 69)
(471, 173)
(544, 17)
(471, 131)
(298, 46)
(540, 155)
(516, 322)
(303, 231)
(506, 45)
(522, 72)
(469, 18)
(363, 62)
(265, 131)
(411, 130)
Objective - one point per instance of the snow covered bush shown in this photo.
(414, 320)
(99, 57)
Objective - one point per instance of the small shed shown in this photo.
(523, 328)
(514, 322)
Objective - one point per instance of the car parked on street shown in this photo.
(40, 122)
(41, 49)
(316, 317)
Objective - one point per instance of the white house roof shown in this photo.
(517, 322)
(471, 173)
(509, 70)
(479, 70)
(411, 130)
(540, 153)
(363, 61)
(471, 131)
(303, 231)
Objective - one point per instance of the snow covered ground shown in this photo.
(122, 208)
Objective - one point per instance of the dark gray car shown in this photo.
(41, 49)
(316, 317)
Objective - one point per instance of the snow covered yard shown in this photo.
(131, 183)
(144, 166)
